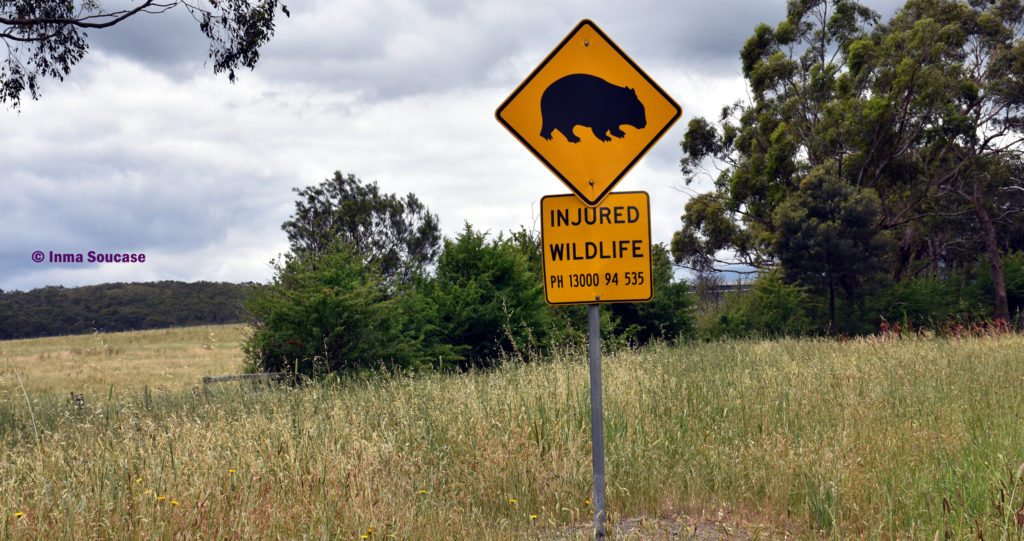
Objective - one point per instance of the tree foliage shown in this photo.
(828, 239)
(353, 293)
(669, 314)
(921, 114)
(46, 38)
(771, 308)
(368, 283)
(488, 300)
(398, 235)
(334, 313)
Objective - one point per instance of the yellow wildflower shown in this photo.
(161, 498)
(533, 517)
(512, 501)
(19, 514)
(138, 480)
(148, 491)
(175, 503)
(423, 491)
(232, 471)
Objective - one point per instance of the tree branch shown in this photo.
(83, 22)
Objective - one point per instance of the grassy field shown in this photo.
(911, 439)
(166, 359)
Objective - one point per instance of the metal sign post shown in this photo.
(597, 419)
(570, 113)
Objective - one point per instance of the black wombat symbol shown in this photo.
(585, 100)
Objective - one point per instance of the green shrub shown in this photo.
(331, 314)
(925, 301)
(488, 301)
(771, 308)
(669, 314)
(983, 288)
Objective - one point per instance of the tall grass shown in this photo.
(866, 439)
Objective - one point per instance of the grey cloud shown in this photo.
(397, 50)
(401, 92)
(143, 177)
(394, 48)
(169, 42)
(145, 211)
(699, 36)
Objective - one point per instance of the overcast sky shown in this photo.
(142, 149)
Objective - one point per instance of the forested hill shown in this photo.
(51, 311)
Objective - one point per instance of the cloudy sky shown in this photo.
(142, 149)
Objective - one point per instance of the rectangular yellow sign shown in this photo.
(597, 254)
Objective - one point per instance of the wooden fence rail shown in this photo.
(274, 376)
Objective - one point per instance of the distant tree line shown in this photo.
(52, 311)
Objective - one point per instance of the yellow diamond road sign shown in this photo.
(588, 112)
(596, 254)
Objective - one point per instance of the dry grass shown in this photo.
(166, 359)
(807, 439)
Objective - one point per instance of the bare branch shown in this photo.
(22, 39)
(114, 17)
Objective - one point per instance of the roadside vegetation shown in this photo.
(896, 437)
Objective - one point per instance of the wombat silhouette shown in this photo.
(586, 100)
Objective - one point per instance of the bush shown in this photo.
(333, 314)
(925, 301)
(488, 301)
(771, 308)
(983, 288)
(669, 314)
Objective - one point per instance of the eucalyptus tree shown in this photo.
(399, 235)
(780, 154)
(922, 112)
(46, 38)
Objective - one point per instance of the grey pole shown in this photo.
(597, 419)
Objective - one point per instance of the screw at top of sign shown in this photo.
(586, 43)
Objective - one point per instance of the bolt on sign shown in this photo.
(588, 112)
(596, 254)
